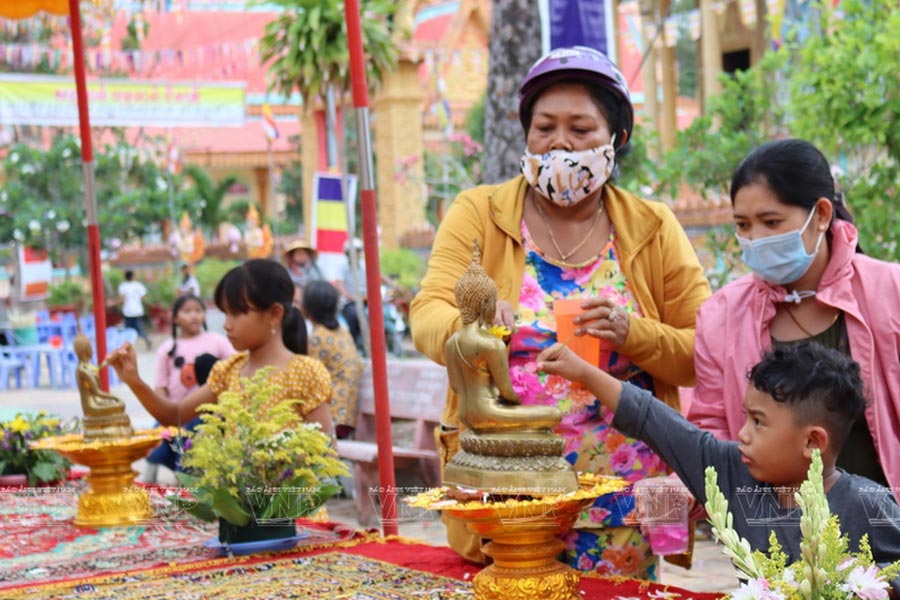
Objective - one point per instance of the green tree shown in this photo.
(746, 114)
(845, 94)
(307, 44)
(291, 185)
(838, 86)
(43, 194)
(211, 197)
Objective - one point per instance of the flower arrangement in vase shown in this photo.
(39, 467)
(257, 468)
(825, 571)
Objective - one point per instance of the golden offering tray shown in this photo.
(523, 533)
(111, 498)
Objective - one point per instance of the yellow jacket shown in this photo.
(656, 257)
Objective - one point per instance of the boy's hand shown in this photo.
(560, 360)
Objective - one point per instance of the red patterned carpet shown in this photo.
(42, 555)
(391, 569)
(39, 543)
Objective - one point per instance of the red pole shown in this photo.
(90, 198)
(387, 487)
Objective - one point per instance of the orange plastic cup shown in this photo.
(585, 346)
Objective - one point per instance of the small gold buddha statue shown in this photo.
(104, 414)
(505, 448)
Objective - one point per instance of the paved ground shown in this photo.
(711, 572)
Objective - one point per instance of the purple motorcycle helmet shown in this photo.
(581, 64)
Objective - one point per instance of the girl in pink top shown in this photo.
(174, 377)
(810, 281)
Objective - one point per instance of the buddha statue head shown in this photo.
(476, 292)
(82, 347)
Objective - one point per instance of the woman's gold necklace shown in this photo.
(790, 314)
(563, 256)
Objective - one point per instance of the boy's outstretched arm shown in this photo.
(637, 414)
(560, 360)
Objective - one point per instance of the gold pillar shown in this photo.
(262, 190)
(669, 84)
(711, 51)
(651, 104)
(398, 140)
(309, 157)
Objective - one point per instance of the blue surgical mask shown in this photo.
(780, 259)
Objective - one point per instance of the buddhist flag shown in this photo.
(269, 126)
(330, 222)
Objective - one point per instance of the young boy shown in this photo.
(804, 397)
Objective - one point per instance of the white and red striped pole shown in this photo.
(90, 194)
(387, 482)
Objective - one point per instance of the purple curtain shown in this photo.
(578, 22)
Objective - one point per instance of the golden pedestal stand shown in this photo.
(524, 543)
(111, 498)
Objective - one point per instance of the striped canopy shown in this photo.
(22, 9)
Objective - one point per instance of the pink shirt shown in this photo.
(733, 332)
(169, 377)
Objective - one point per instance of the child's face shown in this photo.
(189, 318)
(772, 445)
(247, 330)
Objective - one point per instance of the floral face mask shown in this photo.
(566, 178)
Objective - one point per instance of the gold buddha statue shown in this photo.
(505, 448)
(104, 414)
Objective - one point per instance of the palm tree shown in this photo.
(515, 43)
(307, 44)
(212, 196)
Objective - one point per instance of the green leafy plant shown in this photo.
(249, 460)
(825, 571)
(160, 289)
(404, 267)
(307, 46)
(67, 292)
(835, 82)
(39, 466)
(210, 271)
(211, 197)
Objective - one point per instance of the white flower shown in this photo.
(34, 225)
(66, 153)
(14, 157)
(757, 589)
(866, 582)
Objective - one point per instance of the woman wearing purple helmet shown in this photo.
(561, 230)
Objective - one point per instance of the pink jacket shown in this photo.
(733, 331)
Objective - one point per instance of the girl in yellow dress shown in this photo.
(267, 331)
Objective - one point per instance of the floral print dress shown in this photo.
(604, 539)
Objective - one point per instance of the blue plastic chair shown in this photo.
(87, 325)
(10, 365)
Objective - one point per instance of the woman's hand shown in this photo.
(603, 319)
(505, 315)
(124, 361)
